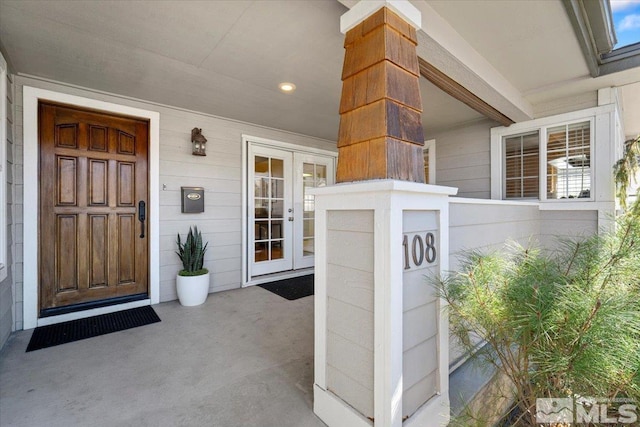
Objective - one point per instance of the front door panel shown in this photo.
(93, 172)
(271, 219)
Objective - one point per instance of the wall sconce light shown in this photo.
(198, 141)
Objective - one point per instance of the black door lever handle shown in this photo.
(142, 215)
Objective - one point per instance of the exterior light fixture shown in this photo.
(198, 141)
(287, 87)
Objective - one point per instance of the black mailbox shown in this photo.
(192, 199)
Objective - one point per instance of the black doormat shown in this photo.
(291, 289)
(75, 330)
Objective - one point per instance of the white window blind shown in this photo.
(569, 161)
(522, 160)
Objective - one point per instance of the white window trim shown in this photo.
(543, 161)
(431, 146)
(541, 125)
(3, 168)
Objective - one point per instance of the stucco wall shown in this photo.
(220, 173)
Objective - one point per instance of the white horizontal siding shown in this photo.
(486, 225)
(220, 173)
(420, 316)
(555, 225)
(463, 159)
(9, 318)
(350, 320)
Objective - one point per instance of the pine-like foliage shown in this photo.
(561, 324)
(191, 253)
(626, 168)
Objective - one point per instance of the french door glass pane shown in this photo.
(269, 208)
(277, 249)
(261, 166)
(314, 175)
(307, 247)
(277, 168)
(261, 187)
(262, 251)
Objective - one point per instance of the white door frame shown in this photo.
(248, 140)
(31, 97)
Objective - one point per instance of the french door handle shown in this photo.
(142, 215)
(290, 218)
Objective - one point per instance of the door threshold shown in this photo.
(44, 321)
(267, 278)
(83, 306)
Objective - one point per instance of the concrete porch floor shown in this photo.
(244, 358)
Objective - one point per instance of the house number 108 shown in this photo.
(421, 250)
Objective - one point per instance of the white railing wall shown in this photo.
(479, 224)
(486, 225)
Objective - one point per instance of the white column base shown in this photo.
(381, 340)
(334, 412)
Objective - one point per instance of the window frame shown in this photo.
(504, 166)
(544, 139)
(499, 134)
(430, 148)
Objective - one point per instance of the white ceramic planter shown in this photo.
(192, 290)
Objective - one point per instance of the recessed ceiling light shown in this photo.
(287, 87)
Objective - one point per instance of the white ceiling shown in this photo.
(227, 57)
(531, 43)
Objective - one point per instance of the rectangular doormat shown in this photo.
(291, 289)
(75, 330)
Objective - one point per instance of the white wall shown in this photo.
(220, 173)
(486, 225)
(556, 225)
(8, 307)
(463, 159)
(350, 303)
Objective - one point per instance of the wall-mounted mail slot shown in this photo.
(192, 199)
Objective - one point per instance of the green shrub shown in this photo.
(191, 253)
(561, 324)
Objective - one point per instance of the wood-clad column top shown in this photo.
(365, 8)
(381, 132)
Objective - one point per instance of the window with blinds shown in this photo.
(522, 165)
(426, 166)
(569, 161)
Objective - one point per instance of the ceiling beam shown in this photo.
(462, 94)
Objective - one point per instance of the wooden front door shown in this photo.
(93, 175)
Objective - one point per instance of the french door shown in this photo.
(281, 210)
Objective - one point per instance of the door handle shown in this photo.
(142, 215)
(290, 218)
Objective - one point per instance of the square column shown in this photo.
(381, 337)
(381, 134)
